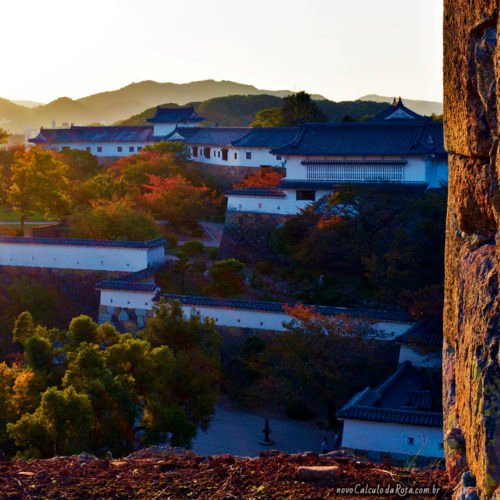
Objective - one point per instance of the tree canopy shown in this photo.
(39, 184)
(90, 388)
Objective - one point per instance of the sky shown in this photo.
(342, 49)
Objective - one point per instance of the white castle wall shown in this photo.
(393, 438)
(97, 258)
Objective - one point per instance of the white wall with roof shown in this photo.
(62, 256)
(410, 440)
(238, 317)
(236, 156)
(289, 205)
(103, 149)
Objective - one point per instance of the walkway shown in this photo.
(238, 433)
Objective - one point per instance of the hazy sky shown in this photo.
(342, 49)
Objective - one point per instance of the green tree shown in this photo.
(24, 327)
(39, 184)
(270, 117)
(38, 353)
(61, 425)
(226, 277)
(299, 108)
(81, 164)
(113, 220)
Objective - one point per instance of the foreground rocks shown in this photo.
(177, 474)
(471, 369)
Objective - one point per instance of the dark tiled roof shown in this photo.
(175, 115)
(259, 192)
(218, 135)
(398, 111)
(131, 287)
(267, 137)
(158, 242)
(401, 399)
(382, 186)
(428, 332)
(132, 281)
(277, 307)
(185, 132)
(94, 134)
(396, 138)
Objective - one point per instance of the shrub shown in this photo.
(298, 410)
(192, 248)
(171, 239)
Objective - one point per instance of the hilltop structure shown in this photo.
(396, 150)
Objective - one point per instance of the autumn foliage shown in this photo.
(265, 177)
(305, 319)
(177, 200)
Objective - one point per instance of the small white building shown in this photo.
(400, 419)
(166, 120)
(396, 150)
(73, 253)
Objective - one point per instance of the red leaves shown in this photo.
(263, 178)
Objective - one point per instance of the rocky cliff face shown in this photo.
(471, 370)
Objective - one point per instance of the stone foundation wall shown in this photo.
(471, 362)
(123, 318)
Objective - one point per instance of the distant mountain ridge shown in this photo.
(121, 104)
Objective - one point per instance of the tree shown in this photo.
(177, 200)
(265, 177)
(100, 387)
(39, 183)
(299, 108)
(61, 425)
(226, 277)
(38, 353)
(3, 136)
(135, 169)
(105, 186)
(81, 164)
(24, 328)
(113, 220)
(270, 117)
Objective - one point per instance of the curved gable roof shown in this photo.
(175, 115)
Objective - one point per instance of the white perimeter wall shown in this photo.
(236, 157)
(108, 148)
(241, 318)
(132, 300)
(392, 438)
(79, 257)
(287, 206)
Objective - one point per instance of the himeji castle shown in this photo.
(397, 149)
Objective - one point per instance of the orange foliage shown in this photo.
(305, 319)
(177, 199)
(263, 178)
